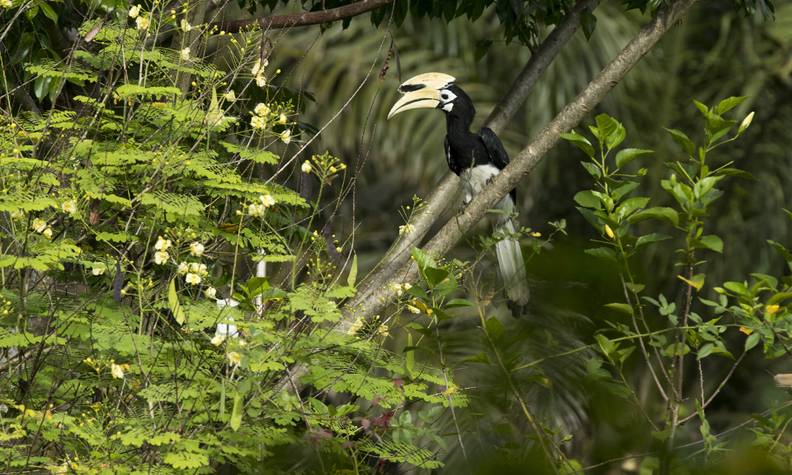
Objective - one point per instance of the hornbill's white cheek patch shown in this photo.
(448, 107)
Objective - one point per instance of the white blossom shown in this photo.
(185, 25)
(39, 225)
(196, 249)
(267, 200)
(183, 268)
(69, 207)
(306, 167)
(192, 279)
(285, 136)
(210, 292)
(117, 371)
(161, 257)
(261, 109)
(134, 12)
(142, 23)
(258, 122)
(185, 54)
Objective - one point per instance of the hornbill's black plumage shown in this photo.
(476, 158)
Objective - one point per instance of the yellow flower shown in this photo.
(134, 12)
(210, 292)
(609, 232)
(746, 330)
(217, 340)
(282, 119)
(47, 233)
(536, 234)
(192, 279)
(230, 96)
(98, 270)
(413, 309)
(234, 358)
(185, 25)
(183, 268)
(185, 54)
(772, 309)
(196, 249)
(142, 23)
(306, 167)
(285, 136)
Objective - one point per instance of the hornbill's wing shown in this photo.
(497, 154)
(492, 143)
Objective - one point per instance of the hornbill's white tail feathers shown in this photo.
(510, 262)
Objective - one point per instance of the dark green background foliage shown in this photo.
(656, 238)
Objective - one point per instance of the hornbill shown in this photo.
(476, 158)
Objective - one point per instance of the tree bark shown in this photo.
(304, 18)
(524, 162)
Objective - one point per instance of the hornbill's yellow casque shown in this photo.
(475, 158)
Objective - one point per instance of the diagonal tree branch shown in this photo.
(524, 162)
(444, 193)
(304, 18)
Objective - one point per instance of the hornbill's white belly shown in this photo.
(474, 180)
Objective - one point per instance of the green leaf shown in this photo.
(650, 238)
(353, 270)
(592, 169)
(454, 303)
(620, 307)
(409, 362)
(587, 199)
(173, 303)
(630, 206)
(705, 351)
(624, 190)
(635, 288)
(696, 281)
(738, 288)
(683, 140)
(728, 104)
(186, 460)
(611, 131)
(495, 328)
(603, 253)
(659, 212)
(434, 275)
(579, 141)
(627, 155)
(236, 413)
(752, 340)
(711, 242)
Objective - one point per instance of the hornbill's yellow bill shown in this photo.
(421, 92)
